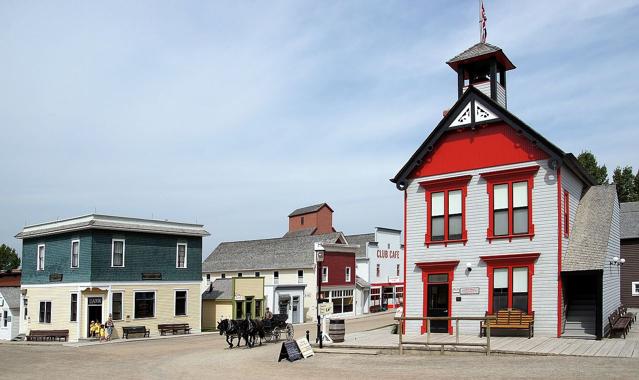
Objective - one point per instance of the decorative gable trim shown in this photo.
(474, 112)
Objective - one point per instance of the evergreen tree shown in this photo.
(589, 162)
(8, 258)
(625, 182)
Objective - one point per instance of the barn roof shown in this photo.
(309, 209)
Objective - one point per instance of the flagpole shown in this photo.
(479, 18)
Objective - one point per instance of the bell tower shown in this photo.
(484, 67)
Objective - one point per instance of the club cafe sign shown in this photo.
(387, 254)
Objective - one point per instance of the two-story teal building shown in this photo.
(142, 272)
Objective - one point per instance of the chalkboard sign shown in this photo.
(290, 351)
(55, 277)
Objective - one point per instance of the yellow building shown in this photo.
(232, 298)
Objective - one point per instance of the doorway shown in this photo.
(438, 306)
(296, 305)
(284, 302)
(94, 312)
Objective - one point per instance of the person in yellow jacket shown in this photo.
(94, 329)
(102, 332)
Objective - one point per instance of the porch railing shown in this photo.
(429, 343)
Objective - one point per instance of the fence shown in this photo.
(442, 344)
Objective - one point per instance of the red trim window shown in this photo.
(510, 203)
(566, 213)
(510, 281)
(446, 210)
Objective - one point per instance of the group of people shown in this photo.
(102, 330)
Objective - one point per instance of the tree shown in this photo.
(589, 162)
(625, 182)
(8, 258)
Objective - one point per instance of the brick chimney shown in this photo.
(311, 220)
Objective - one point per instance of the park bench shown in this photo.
(134, 330)
(509, 319)
(174, 328)
(48, 335)
(619, 323)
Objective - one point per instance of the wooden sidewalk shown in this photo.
(616, 347)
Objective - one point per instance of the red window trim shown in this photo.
(509, 177)
(566, 213)
(440, 267)
(445, 185)
(510, 261)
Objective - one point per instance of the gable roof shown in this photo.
(109, 222)
(629, 220)
(480, 51)
(590, 235)
(309, 209)
(361, 240)
(472, 94)
(220, 289)
(11, 295)
(265, 254)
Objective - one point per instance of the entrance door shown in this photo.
(284, 303)
(296, 306)
(438, 306)
(94, 312)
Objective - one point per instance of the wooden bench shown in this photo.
(509, 319)
(48, 335)
(135, 330)
(174, 328)
(619, 324)
(623, 311)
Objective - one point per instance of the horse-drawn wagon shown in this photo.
(277, 327)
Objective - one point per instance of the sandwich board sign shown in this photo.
(290, 351)
(325, 308)
(305, 348)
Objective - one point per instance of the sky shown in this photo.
(233, 114)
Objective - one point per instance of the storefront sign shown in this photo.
(239, 297)
(387, 254)
(326, 308)
(55, 277)
(96, 301)
(151, 276)
(469, 291)
(394, 279)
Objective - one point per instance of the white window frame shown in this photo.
(121, 304)
(72, 242)
(324, 274)
(348, 274)
(113, 252)
(634, 288)
(186, 304)
(276, 279)
(155, 303)
(177, 255)
(40, 263)
(300, 279)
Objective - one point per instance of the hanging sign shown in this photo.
(305, 348)
(326, 308)
(290, 351)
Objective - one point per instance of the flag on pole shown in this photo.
(482, 22)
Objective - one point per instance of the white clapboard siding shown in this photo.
(611, 275)
(574, 187)
(544, 287)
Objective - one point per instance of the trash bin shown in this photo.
(336, 330)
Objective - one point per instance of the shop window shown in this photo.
(324, 274)
(445, 201)
(116, 306)
(239, 310)
(342, 301)
(500, 289)
(510, 203)
(180, 302)
(258, 308)
(117, 253)
(180, 260)
(510, 281)
(375, 297)
(75, 253)
(74, 307)
(40, 257)
(144, 305)
(45, 312)
(399, 295)
(566, 214)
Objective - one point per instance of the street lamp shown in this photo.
(319, 258)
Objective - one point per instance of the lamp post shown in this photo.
(319, 258)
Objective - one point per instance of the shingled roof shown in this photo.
(11, 295)
(481, 49)
(265, 254)
(303, 232)
(361, 240)
(591, 230)
(309, 209)
(220, 289)
(629, 220)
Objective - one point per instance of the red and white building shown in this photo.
(496, 216)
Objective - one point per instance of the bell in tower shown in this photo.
(483, 66)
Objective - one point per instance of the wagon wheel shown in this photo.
(276, 334)
(268, 336)
(290, 332)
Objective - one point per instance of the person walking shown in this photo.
(109, 327)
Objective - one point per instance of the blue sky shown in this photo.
(232, 114)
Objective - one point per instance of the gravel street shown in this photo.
(207, 356)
